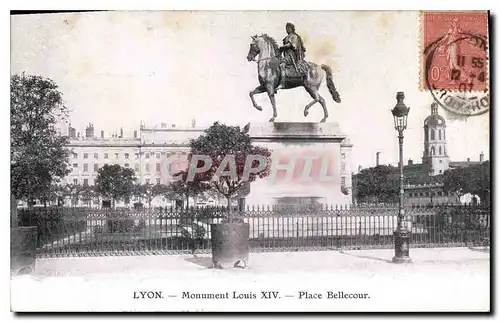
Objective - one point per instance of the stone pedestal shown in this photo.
(306, 166)
(23, 241)
(402, 246)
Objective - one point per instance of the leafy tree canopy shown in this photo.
(38, 154)
(474, 179)
(115, 182)
(149, 191)
(378, 183)
(220, 141)
(184, 189)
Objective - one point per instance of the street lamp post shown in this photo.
(402, 233)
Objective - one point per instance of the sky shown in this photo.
(116, 69)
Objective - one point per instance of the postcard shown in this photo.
(250, 161)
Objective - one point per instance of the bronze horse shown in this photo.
(269, 73)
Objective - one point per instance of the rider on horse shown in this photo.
(293, 54)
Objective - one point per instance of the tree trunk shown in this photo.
(13, 212)
(229, 210)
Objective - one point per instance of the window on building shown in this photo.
(96, 167)
(85, 155)
(440, 150)
(157, 155)
(105, 155)
(439, 193)
(439, 134)
(157, 167)
(75, 155)
(147, 155)
(96, 156)
(147, 181)
(440, 161)
(75, 181)
(433, 150)
(75, 165)
(126, 155)
(440, 171)
(410, 194)
(433, 135)
(136, 167)
(85, 167)
(137, 156)
(117, 155)
(342, 155)
(426, 135)
(147, 167)
(421, 194)
(126, 165)
(157, 180)
(343, 166)
(85, 182)
(342, 182)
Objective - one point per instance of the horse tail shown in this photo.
(330, 84)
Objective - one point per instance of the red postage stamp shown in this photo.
(455, 51)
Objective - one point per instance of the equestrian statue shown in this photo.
(284, 68)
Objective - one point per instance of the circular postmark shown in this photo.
(456, 73)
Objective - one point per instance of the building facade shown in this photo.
(146, 152)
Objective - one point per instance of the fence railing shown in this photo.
(79, 231)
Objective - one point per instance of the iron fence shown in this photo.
(88, 231)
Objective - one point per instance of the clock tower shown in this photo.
(435, 154)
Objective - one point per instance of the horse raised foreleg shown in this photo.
(258, 90)
(270, 93)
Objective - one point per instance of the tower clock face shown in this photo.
(440, 122)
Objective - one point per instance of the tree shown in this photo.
(228, 144)
(38, 154)
(378, 184)
(149, 192)
(474, 179)
(73, 191)
(52, 193)
(115, 182)
(184, 189)
(87, 193)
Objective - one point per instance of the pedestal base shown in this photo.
(402, 247)
(402, 260)
(306, 164)
(23, 242)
